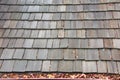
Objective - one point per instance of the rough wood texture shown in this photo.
(60, 36)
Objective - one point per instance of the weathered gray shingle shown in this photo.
(19, 66)
(65, 66)
(7, 66)
(34, 66)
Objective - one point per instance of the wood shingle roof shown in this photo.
(60, 36)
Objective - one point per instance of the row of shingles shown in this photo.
(60, 43)
(41, 34)
(62, 16)
(61, 54)
(57, 1)
(61, 33)
(106, 24)
(60, 8)
(50, 15)
(60, 66)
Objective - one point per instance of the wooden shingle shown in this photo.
(77, 66)
(46, 66)
(65, 66)
(105, 54)
(39, 43)
(116, 43)
(11, 43)
(50, 43)
(55, 54)
(70, 54)
(19, 33)
(115, 54)
(7, 66)
(91, 55)
(34, 33)
(18, 54)
(80, 54)
(118, 63)
(41, 34)
(19, 66)
(89, 66)
(63, 43)
(112, 67)
(1, 41)
(108, 43)
(56, 43)
(28, 43)
(74, 43)
(102, 64)
(34, 66)
(95, 43)
(7, 53)
(5, 43)
(30, 54)
(54, 66)
(42, 54)
(19, 43)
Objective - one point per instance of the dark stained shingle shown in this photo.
(105, 54)
(115, 54)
